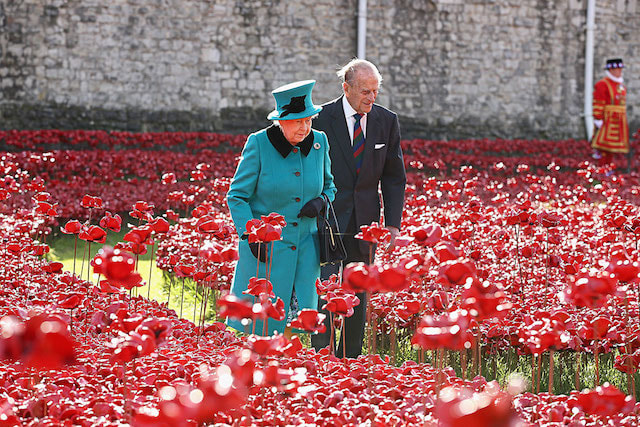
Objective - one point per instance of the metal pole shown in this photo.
(588, 69)
(362, 28)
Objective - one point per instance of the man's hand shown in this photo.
(394, 232)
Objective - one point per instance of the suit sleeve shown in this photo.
(393, 178)
(329, 187)
(243, 185)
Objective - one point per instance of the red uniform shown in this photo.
(610, 106)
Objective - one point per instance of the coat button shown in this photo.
(295, 150)
(297, 174)
(295, 224)
(293, 248)
(297, 199)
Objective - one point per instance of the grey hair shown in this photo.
(347, 73)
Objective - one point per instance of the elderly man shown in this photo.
(364, 140)
(609, 114)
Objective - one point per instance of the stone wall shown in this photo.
(452, 68)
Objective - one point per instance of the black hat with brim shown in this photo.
(614, 63)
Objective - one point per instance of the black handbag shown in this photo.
(331, 247)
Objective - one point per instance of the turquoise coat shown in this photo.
(267, 181)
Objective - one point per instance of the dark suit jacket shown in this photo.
(382, 163)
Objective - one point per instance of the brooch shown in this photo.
(316, 145)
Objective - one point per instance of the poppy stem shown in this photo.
(439, 367)
(195, 303)
(533, 373)
(88, 261)
(169, 292)
(203, 310)
(270, 259)
(551, 372)
(344, 339)
(75, 250)
(374, 333)
(124, 387)
(538, 372)
(518, 254)
(332, 334)
(463, 363)
(597, 360)
(393, 344)
(203, 304)
(578, 363)
(546, 279)
(181, 297)
(474, 355)
(258, 261)
(84, 252)
(628, 348)
(150, 270)
(369, 327)
(479, 353)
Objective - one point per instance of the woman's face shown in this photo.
(296, 130)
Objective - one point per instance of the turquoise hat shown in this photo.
(293, 101)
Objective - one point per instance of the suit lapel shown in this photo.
(339, 127)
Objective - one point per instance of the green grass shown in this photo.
(62, 250)
(502, 365)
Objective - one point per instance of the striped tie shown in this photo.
(358, 142)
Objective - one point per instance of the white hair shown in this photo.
(347, 73)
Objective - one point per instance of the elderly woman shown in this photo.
(284, 168)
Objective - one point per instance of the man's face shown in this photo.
(616, 72)
(363, 92)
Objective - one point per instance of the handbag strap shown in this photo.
(329, 212)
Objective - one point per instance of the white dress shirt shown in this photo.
(351, 121)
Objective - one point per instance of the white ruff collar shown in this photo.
(615, 79)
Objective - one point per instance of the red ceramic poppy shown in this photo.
(360, 277)
(325, 286)
(341, 304)
(428, 235)
(310, 320)
(605, 400)
(93, 234)
(456, 272)
(159, 225)
(450, 331)
(70, 301)
(111, 222)
(591, 289)
(373, 233)
(42, 342)
(72, 226)
(259, 286)
(89, 201)
(466, 407)
(46, 208)
(231, 306)
(116, 266)
(168, 178)
(263, 232)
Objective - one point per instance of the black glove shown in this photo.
(262, 247)
(312, 208)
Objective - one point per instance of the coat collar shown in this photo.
(284, 147)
